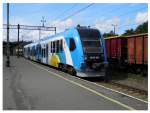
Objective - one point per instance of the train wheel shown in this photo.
(108, 74)
(60, 67)
(71, 71)
(64, 68)
(144, 72)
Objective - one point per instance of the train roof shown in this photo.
(55, 35)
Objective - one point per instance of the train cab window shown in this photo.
(72, 44)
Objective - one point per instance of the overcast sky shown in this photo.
(101, 16)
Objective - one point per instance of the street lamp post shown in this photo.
(8, 49)
(114, 28)
(18, 41)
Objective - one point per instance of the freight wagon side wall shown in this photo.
(137, 50)
(123, 51)
(108, 48)
(117, 49)
(130, 49)
(113, 48)
(146, 50)
(131, 53)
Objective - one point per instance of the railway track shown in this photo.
(112, 85)
(138, 93)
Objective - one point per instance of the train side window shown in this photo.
(61, 45)
(49, 47)
(53, 46)
(44, 52)
(72, 44)
(57, 46)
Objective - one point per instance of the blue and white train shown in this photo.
(77, 50)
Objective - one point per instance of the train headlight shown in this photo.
(102, 56)
(85, 57)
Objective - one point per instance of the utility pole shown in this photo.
(114, 27)
(55, 30)
(22, 46)
(18, 41)
(43, 21)
(8, 49)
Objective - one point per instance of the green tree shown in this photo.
(143, 28)
(129, 32)
(111, 33)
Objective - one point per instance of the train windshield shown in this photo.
(91, 40)
(89, 33)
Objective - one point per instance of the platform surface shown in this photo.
(29, 85)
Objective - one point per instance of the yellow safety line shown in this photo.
(89, 89)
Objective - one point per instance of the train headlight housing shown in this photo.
(102, 56)
(85, 57)
(83, 66)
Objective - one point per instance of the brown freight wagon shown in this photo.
(137, 49)
(116, 48)
(130, 51)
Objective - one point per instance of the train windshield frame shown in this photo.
(89, 33)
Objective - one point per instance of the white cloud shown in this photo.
(62, 25)
(106, 25)
(141, 17)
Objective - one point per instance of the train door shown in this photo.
(67, 52)
(49, 51)
(61, 52)
(44, 53)
(39, 53)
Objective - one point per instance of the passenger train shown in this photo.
(78, 51)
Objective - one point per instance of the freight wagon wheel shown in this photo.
(138, 70)
(144, 72)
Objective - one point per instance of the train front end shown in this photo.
(94, 52)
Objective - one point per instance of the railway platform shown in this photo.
(31, 86)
